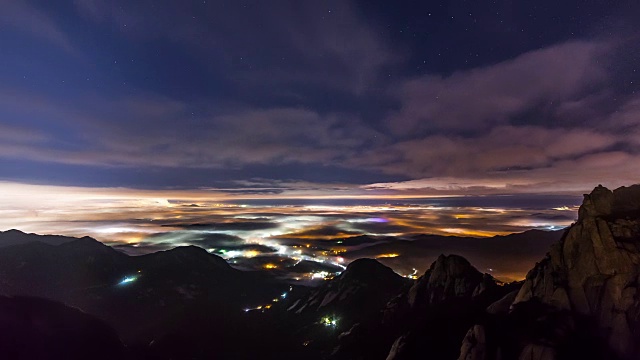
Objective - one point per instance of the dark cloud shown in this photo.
(360, 240)
(382, 228)
(494, 94)
(208, 241)
(181, 238)
(312, 266)
(262, 249)
(279, 44)
(226, 226)
(320, 233)
(142, 249)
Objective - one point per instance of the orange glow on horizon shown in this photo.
(472, 233)
(392, 255)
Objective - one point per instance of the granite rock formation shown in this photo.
(586, 288)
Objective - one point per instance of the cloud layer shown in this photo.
(294, 92)
(288, 233)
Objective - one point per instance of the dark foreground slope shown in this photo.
(173, 298)
(32, 328)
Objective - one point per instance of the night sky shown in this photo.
(536, 95)
(136, 107)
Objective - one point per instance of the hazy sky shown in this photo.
(321, 97)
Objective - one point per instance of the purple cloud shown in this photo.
(482, 97)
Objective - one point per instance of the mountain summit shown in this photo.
(585, 289)
(364, 284)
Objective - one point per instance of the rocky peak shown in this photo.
(449, 276)
(598, 203)
(363, 281)
(602, 202)
(364, 270)
(439, 309)
(595, 268)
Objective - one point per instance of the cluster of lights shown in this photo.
(326, 257)
(268, 306)
(413, 275)
(319, 275)
(236, 253)
(329, 321)
(261, 307)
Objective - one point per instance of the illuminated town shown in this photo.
(283, 239)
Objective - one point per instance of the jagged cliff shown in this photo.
(448, 277)
(441, 304)
(586, 288)
(430, 317)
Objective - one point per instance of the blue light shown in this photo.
(128, 279)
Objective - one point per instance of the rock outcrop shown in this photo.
(595, 269)
(445, 300)
(448, 277)
(587, 286)
(430, 317)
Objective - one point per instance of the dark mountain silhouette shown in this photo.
(178, 292)
(426, 318)
(17, 237)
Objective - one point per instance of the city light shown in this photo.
(319, 275)
(128, 279)
(329, 321)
